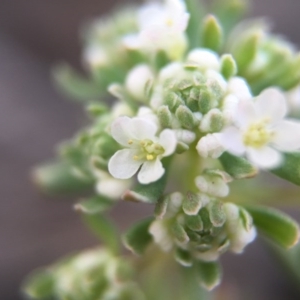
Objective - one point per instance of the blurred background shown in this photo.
(35, 230)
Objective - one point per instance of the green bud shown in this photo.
(216, 213)
(192, 203)
(209, 274)
(164, 116)
(179, 233)
(194, 223)
(182, 147)
(212, 33)
(184, 84)
(205, 101)
(213, 121)
(173, 101)
(228, 66)
(185, 117)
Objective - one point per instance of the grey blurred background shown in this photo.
(35, 230)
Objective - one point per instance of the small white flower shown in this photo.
(205, 59)
(260, 131)
(143, 149)
(161, 27)
(95, 56)
(210, 146)
(137, 80)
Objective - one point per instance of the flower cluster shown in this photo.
(199, 104)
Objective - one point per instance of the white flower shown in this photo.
(161, 27)
(205, 59)
(260, 131)
(95, 56)
(137, 80)
(143, 149)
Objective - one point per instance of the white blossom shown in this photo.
(142, 149)
(205, 59)
(95, 56)
(162, 27)
(260, 131)
(137, 80)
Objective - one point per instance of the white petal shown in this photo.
(238, 87)
(121, 130)
(168, 141)
(287, 136)
(265, 158)
(231, 139)
(142, 128)
(271, 103)
(137, 79)
(122, 165)
(113, 188)
(245, 114)
(206, 59)
(151, 171)
(210, 146)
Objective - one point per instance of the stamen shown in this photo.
(136, 157)
(130, 142)
(150, 157)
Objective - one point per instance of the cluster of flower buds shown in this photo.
(94, 274)
(200, 103)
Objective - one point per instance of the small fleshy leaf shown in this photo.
(237, 167)
(194, 223)
(149, 193)
(228, 66)
(209, 274)
(185, 117)
(95, 205)
(212, 33)
(183, 257)
(161, 207)
(164, 116)
(39, 285)
(276, 225)
(137, 238)
(290, 169)
(192, 203)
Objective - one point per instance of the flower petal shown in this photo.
(271, 103)
(245, 113)
(120, 130)
(265, 158)
(168, 141)
(143, 129)
(287, 137)
(231, 139)
(151, 171)
(238, 87)
(122, 165)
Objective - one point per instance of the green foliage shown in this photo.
(137, 238)
(275, 225)
(209, 274)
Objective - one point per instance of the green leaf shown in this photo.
(95, 205)
(39, 285)
(209, 274)
(276, 225)
(137, 238)
(237, 167)
(216, 213)
(212, 33)
(290, 169)
(104, 229)
(149, 193)
(76, 86)
(196, 9)
(228, 66)
(56, 178)
(183, 257)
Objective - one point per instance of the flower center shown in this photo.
(148, 150)
(258, 134)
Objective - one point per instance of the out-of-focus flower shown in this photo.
(261, 132)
